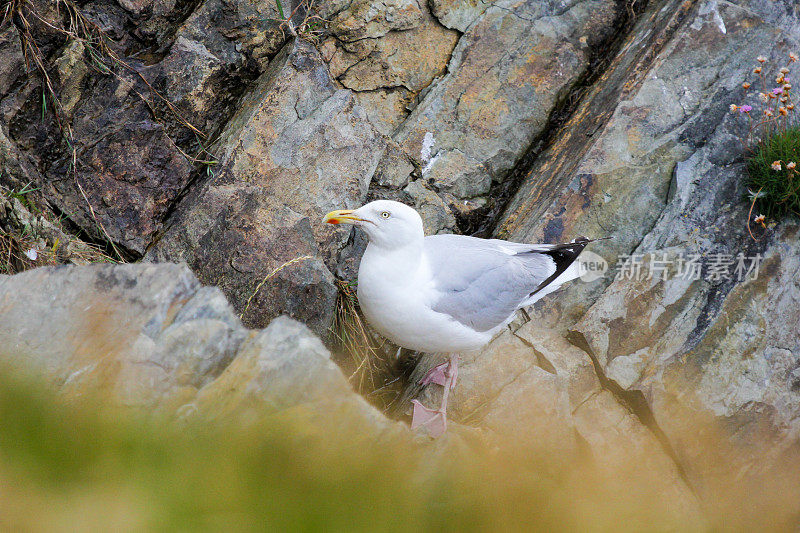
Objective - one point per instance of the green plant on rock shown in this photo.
(310, 28)
(772, 147)
(773, 174)
(31, 237)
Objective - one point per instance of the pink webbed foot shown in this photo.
(434, 421)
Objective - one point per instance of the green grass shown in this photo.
(76, 466)
(81, 465)
(779, 190)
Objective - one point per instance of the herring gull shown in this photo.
(447, 293)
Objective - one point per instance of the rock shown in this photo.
(388, 55)
(284, 367)
(456, 14)
(386, 108)
(217, 52)
(132, 159)
(20, 169)
(72, 71)
(132, 178)
(489, 381)
(394, 169)
(731, 371)
(48, 239)
(192, 78)
(150, 337)
(147, 334)
(628, 451)
(621, 179)
(436, 216)
(712, 356)
(365, 19)
(409, 59)
(154, 19)
(236, 32)
(297, 148)
(533, 386)
(152, 7)
(11, 61)
(704, 369)
(125, 172)
(670, 383)
(505, 76)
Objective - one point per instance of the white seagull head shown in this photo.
(388, 224)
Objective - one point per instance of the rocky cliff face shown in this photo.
(652, 157)
(150, 337)
(219, 140)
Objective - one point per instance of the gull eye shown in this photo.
(386, 214)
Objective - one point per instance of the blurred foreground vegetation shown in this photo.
(76, 465)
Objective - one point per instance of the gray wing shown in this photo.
(482, 282)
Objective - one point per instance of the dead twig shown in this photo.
(269, 276)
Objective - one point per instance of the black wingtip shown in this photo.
(583, 239)
(565, 254)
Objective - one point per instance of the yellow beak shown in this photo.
(342, 216)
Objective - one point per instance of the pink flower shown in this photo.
(745, 109)
(776, 165)
(777, 90)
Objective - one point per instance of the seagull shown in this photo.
(447, 293)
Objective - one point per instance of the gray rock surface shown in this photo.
(152, 338)
(709, 364)
(297, 148)
(505, 76)
(442, 105)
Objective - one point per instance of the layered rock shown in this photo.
(117, 142)
(653, 157)
(507, 72)
(119, 173)
(297, 148)
(531, 385)
(387, 53)
(150, 337)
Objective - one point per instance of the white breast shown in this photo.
(396, 292)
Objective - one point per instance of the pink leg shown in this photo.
(438, 374)
(435, 420)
